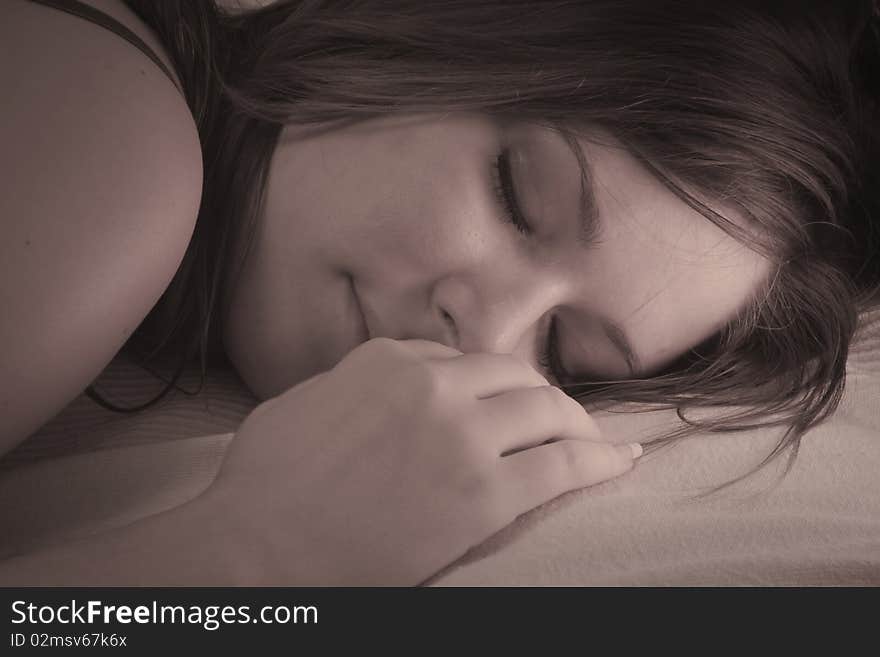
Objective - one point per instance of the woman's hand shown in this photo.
(398, 460)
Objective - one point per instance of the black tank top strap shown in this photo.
(100, 18)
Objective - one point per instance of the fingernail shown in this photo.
(636, 450)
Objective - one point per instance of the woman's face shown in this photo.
(400, 217)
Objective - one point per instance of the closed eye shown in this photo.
(506, 194)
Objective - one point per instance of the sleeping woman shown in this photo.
(429, 237)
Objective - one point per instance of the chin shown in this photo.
(266, 377)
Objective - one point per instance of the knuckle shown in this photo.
(571, 459)
(539, 378)
(559, 401)
(474, 442)
(606, 459)
(380, 345)
(575, 410)
(427, 381)
(365, 353)
(595, 432)
(477, 485)
(517, 363)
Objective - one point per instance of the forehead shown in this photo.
(663, 272)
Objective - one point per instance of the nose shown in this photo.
(500, 318)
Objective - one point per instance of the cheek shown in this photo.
(675, 293)
(435, 222)
(416, 193)
(398, 219)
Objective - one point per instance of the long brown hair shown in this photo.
(767, 106)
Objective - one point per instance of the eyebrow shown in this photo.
(618, 338)
(590, 227)
(588, 237)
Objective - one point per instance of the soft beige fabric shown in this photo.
(89, 470)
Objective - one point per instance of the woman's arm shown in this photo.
(100, 183)
(183, 546)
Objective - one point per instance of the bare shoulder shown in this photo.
(100, 185)
(43, 24)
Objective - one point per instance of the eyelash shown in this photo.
(503, 183)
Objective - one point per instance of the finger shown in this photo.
(534, 476)
(484, 375)
(297, 387)
(430, 349)
(528, 417)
